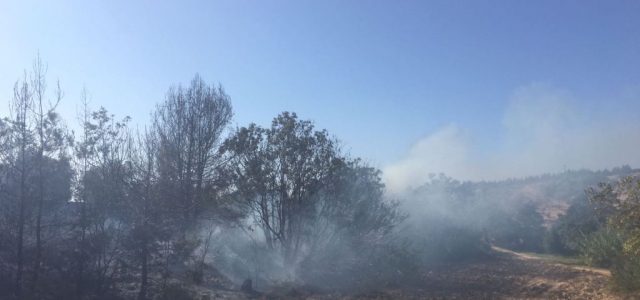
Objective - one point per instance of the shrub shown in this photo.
(452, 243)
(552, 242)
(174, 291)
(602, 248)
(625, 272)
(362, 268)
(196, 272)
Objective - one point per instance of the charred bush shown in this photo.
(363, 268)
(173, 291)
(452, 243)
(196, 273)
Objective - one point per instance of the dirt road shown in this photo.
(527, 256)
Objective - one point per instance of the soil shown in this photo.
(508, 275)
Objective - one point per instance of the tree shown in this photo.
(189, 124)
(571, 228)
(619, 241)
(19, 157)
(620, 203)
(35, 171)
(278, 172)
(101, 159)
(51, 140)
(304, 195)
(351, 207)
(144, 211)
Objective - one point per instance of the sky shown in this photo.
(480, 90)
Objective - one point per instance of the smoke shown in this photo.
(446, 150)
(544, 130)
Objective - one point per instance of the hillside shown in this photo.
(550, 193)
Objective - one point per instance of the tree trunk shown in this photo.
(21, 219)
(18, 286)
(39, 85)
(144, 274)
(36, 266)
(81, 252)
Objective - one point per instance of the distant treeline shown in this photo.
(510, 213)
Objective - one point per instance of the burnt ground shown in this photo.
(508, 275)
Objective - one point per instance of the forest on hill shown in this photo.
(186, 207)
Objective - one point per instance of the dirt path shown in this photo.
(528, 256)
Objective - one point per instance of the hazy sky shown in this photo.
(477, 89)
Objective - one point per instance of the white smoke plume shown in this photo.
(545, 131)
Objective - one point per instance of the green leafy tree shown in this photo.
(621, 204)
(302, 192)
(278, 172)
(619, 245)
